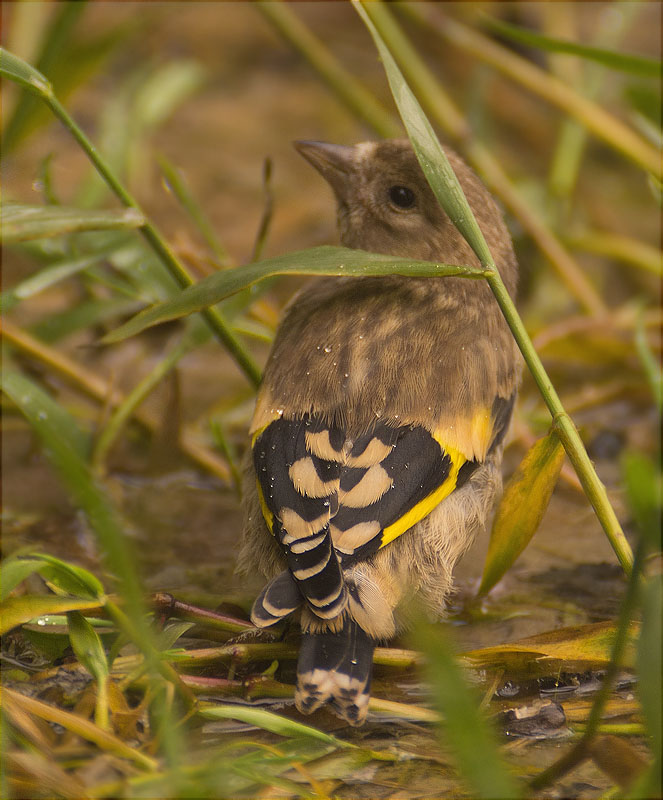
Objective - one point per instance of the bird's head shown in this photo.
(385, 204)
(384, 201)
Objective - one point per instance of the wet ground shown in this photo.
(184, 528)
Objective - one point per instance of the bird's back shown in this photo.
(414, 351)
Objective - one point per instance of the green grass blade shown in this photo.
(642, 477)
(267, 721)
(642, 480)
(166, 88)
(86, 314)
(22, 223)
(649, 663)
(22, 73)
(466, 733)
(339, 261)
(54, 426)
(57, 38)
(650, 364)
(624, 62)
(361, 102)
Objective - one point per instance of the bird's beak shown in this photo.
(333, 161)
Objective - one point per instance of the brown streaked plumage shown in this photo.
(378, 429)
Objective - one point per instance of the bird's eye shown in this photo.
(401, 196)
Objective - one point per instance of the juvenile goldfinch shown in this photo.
(378, 429)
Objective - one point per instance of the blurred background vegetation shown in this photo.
(194, 106)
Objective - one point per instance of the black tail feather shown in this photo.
(336, 668)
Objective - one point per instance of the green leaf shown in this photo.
(69, 578)
(47, 640)
(87, 646)
(267, 721)
(586, 646)
(339, 261)
(58, 623)
(522, 507)
(624, 62)
(21, 72)
(466, 733)
(167, 637)
(15, 570)
(22, 223)
(18, 610)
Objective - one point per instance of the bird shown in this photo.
(377, 437)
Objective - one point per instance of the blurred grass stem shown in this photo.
(344, 84)
(561, 21)
(619, 248)
(267, 212)
(180, 189)
(623, 318)
(650, 364)
(599, 122)
(225, 446)
(82, 727)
